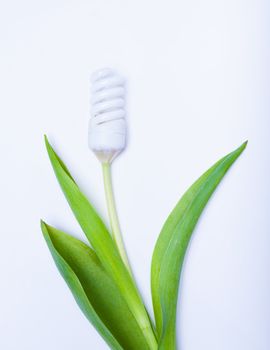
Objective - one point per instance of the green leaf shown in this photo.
(94, 291)
(103, 244)
(172, 244)
(78, 292)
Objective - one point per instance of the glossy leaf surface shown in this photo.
(171, 247)
(94, 291)
(78, 291)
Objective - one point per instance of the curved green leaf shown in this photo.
(78, 291)
(103, 244)
(171, 247)
(94, 291)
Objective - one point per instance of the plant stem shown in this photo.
(114, 222)
(142, 318)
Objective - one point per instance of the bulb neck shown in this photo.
(107, 157)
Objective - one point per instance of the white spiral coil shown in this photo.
(107, 127)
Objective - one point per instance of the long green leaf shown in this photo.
(171, 247)
(103, 244)
(78, 292)
(95, 292)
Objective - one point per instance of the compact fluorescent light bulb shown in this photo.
(107, 126)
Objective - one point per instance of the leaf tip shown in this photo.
(245, 144)
(43, 225)
(47, 143)
(240, 149)
(45, 228)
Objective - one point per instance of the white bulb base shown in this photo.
(107, 126)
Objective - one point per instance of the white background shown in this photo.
(198, 87)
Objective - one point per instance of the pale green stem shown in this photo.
(114, 222)
(142, 319)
